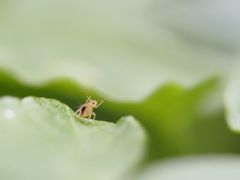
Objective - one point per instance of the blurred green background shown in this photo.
(167, 63)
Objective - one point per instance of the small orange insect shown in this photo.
(86, 110)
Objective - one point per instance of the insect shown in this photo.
(86, 110)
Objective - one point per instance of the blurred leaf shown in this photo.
(179, 120)
(184, 121)
(221, 22)
(114, 46)
(197, 168)
(42, 139)
(232, 102)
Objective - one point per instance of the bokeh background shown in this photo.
(165, 62)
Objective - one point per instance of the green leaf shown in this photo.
(43, 139)
(232, 102)
(185, 18)
(178, 120)
(98, 45)
(184, 121)
(197, 168)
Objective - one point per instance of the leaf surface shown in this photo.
(43, 139)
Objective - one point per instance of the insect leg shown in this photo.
(89, 97)
(99, 104)
(78, 112)
(94, 116)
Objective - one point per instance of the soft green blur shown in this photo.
(125, 49)
(167, 63)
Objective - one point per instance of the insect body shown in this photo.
(86, 110)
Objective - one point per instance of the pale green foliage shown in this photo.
(43, 139)
(197, 168)
(115, 46)
(149, 59)
(232, 102)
